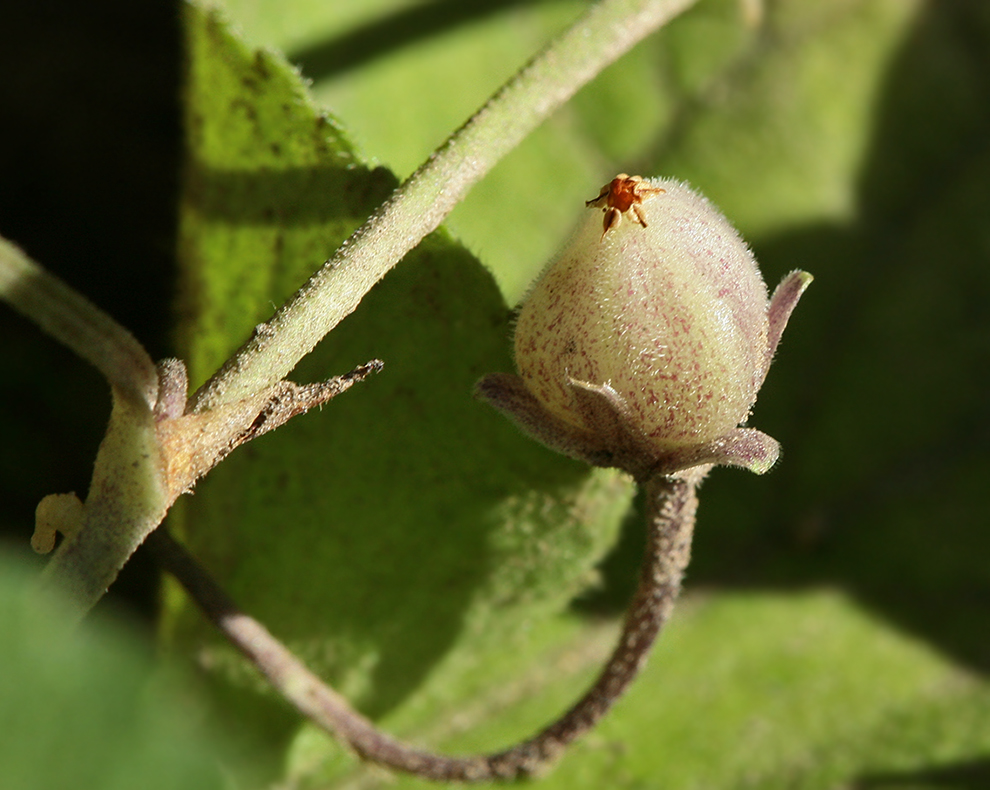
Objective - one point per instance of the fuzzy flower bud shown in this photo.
(672, 316)
(644, 346)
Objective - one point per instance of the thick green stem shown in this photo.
(419, 205)
(127, 499)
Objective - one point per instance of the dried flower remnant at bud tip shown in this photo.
(644, 346)
(620, 195)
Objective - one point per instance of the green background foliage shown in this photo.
(410, 545)
(85, 709)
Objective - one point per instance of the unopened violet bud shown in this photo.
(669, 310)
(648, 337)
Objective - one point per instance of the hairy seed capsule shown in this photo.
(667, 308)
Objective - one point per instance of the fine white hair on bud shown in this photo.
(644, 343)
(668, 309)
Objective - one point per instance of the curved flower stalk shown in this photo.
(671, 505)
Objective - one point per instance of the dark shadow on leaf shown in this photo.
(388, 34)
(879, 392)
(290, 197)
(968, 775)
(397, 526)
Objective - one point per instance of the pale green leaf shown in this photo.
(81, 708)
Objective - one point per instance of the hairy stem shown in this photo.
(419, 205)
(672, 503)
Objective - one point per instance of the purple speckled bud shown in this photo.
(668, 309)
(642, 346)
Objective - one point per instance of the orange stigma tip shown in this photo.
(622, 195)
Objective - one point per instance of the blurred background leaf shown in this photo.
(835, 628)
(83, 708)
